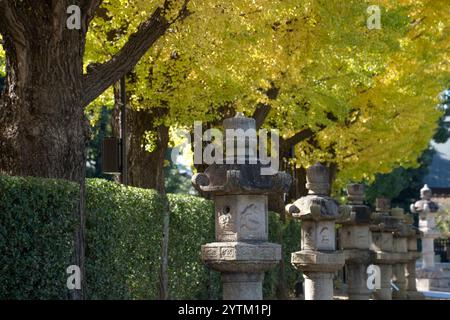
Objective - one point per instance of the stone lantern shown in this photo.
(400, 246)
(241, 252)
(427, 225)
(355, 239)
(318, 258)
(428, 275)
(412, 235)
(382, 227)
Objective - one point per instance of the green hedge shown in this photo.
(123, 241)
(36, 237)
(124, 228)
(288, 235)
(191, 225)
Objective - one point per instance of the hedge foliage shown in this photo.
(36, 237)
(191, 225)
(123, 241)
(287, 234)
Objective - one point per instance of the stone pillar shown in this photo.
(242, 286)
(355, 240)
(401, 254)
(318, 258)
(382, 228)
(428, 275)
(427, 210)
(413, 255)
(241, 252)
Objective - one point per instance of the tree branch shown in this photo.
(298, 137)
(89, 9)
(260, 114)
(262, 110)
(10, 25)
(102, 76)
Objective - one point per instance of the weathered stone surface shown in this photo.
(425, 204)
(241, 217)
(413, 255)
(358, 256)
(241, 257)
(228, 179)
(318, 235)
(241, 251)
(355, 194)
(402, 257)
(427, 209)
(400, 244)
(318, 285)
(240, 191)
(356, 239)
(380, 257)
(314, 207)
(318, 261)
(383, 226)
(382, 241)
(400, 247)
(242, 286)
(357, 280)
(385, 292)
(411, 289)
(399, 278)
(318, 258)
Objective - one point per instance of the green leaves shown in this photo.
(123, 241)
(124, 229)
(325, 63)
(36, 237)
(191, 225)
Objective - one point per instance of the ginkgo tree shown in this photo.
(43, 128)
(360, 99)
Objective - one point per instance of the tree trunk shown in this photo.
(164, 271)
(300, 183)
(145, 168)
(44, 131)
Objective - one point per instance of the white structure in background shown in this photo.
(429, 276)
(427, 209)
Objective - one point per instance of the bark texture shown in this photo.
(43, 129)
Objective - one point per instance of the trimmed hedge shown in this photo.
(123, 241)
(124, 228)
(36, 237)
(191, 225)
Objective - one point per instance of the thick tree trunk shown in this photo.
(44, 131)
(145, 168)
